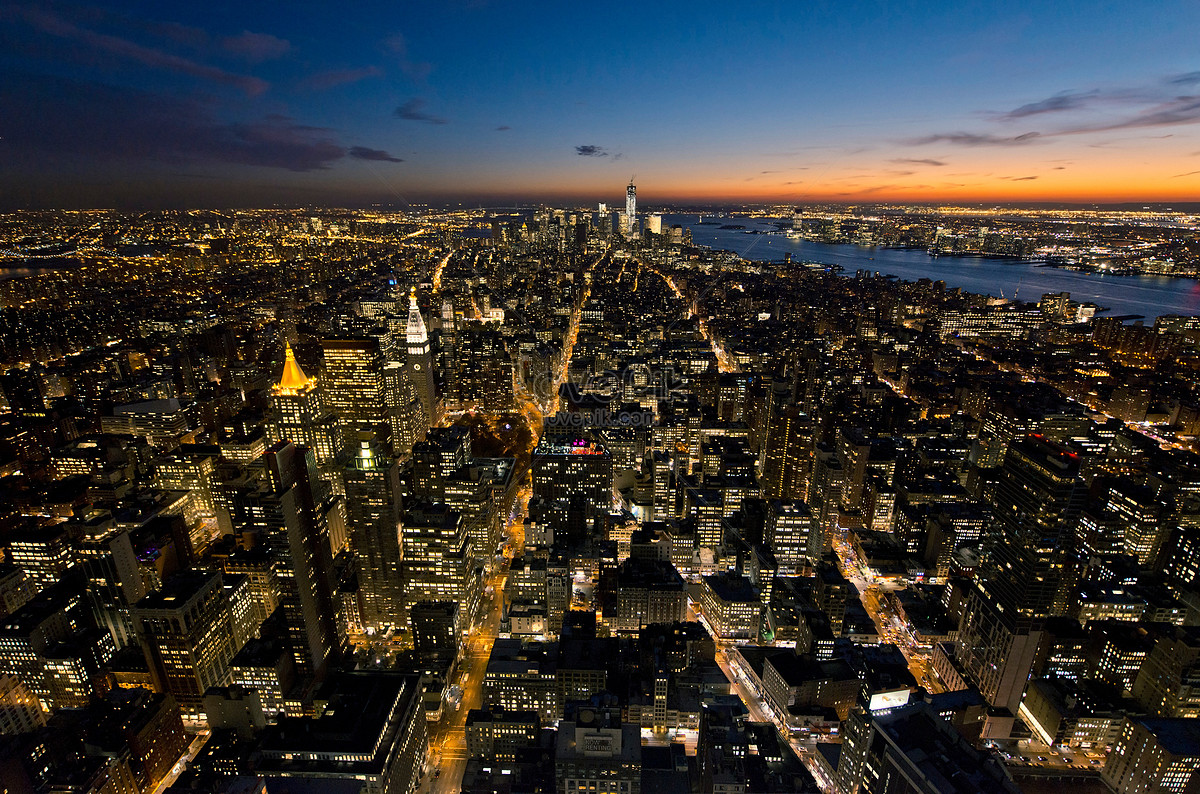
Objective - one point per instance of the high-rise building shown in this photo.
(576, 473)
(631, 207)
(438, 562)
(914, 749)
(187, 634)
(1027, 571)
(420, 363)
(794, 535)
(287, 509)
(485, 376)
(300, 413)
(354, 378)
(405, 412)
(373, 514)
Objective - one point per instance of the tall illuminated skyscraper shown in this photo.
(631, 207)
(300, 413)
(420, 363)
(1027, 572)
(373, 506)
(288, 509)
(354, 378)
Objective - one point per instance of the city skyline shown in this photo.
(133, 105)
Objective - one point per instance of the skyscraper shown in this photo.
(438, 561)
(300, 413)
(187, 634)
(420, 363)
(354, 378)
(631, 207)
(373, 507)
(288, 509)
(1027, 570)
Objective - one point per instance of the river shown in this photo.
(1147, 296)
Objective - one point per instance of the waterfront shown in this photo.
(1148, 296)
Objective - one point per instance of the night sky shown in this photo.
(212, 104)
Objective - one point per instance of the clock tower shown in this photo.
(420, 363)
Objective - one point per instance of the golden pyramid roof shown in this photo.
(293, 378)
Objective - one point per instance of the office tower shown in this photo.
(287, 509)
(369, 735)
(435, 459)
(1028, 561)
(438, 562)
(44, 553)
(631, 207)
(1027, 571)
(405, 412)
(914, 749)
(435, 630)
(1140, 514)
(187, 634)
(577, 473)
(114, 580)
(485, 377)
(372, 486)
(663, 473)
(1154, 755)
(595, 751)
(420, 363)
(354, 377)
(300, 413)
(794, 535)
(787, 463)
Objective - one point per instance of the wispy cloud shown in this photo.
(1187, 78)
(97, 123)
(414, 110)
(379, 155)
(1056, 104)
(975, 139)
(589, 150)
(256, 47)
(916, 161)
(337, 77)
(416, 71)
(503, 128)
(147, 56)
(1189, 173)
(1180, 110)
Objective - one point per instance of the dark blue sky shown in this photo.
(219, 104)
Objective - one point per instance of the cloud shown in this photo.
(1180, 110)
(1021, 178)
(503, 128)
(1188, 78)
(323, 81)
(89, 124)
(1189, 173)
(147, 56)
(916, 161)
(256, 47)
(414, 110)
(417, 71)
(589, 150)
(1059, 102)
(975, 139)
(379, 155)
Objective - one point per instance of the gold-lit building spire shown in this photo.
(293, 378)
